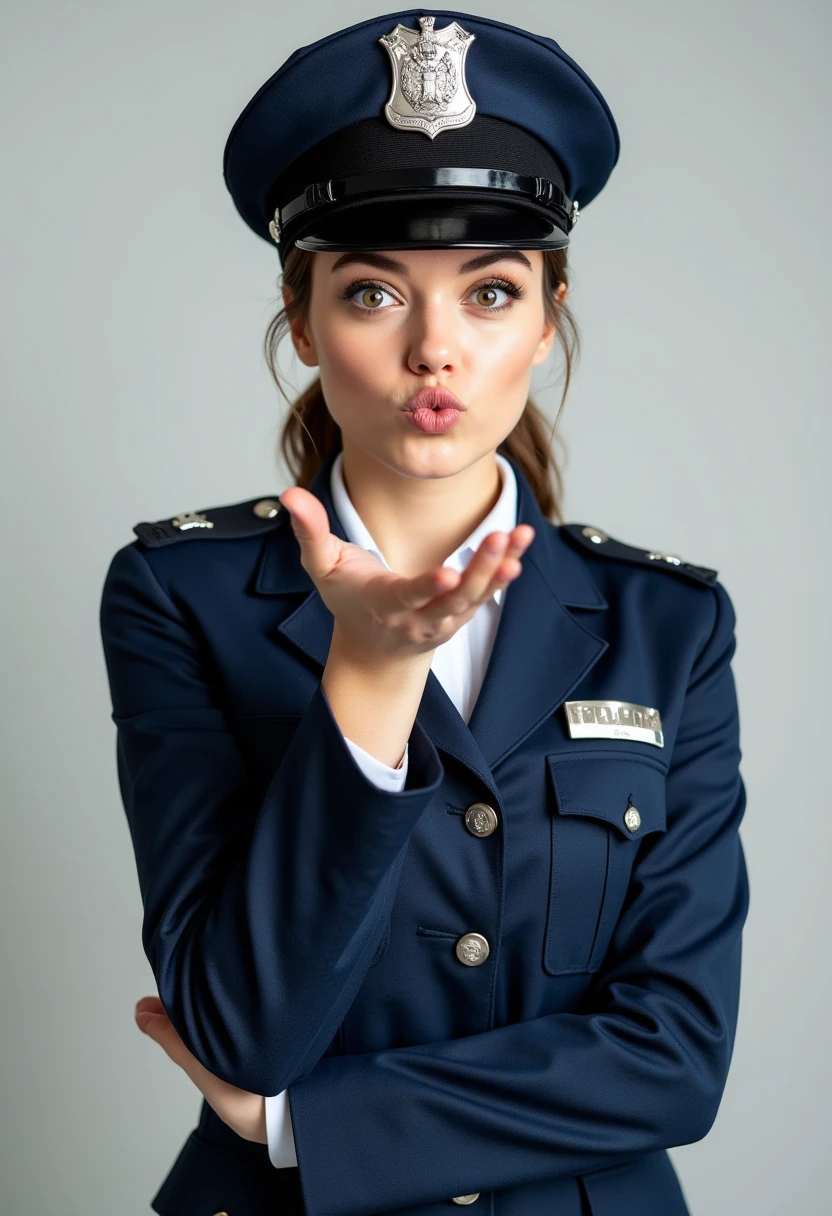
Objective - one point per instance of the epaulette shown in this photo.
(596, 541)
(231, 522)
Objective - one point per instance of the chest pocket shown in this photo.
(593, 849)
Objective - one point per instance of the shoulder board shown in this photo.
(231, 522)
(599, 543)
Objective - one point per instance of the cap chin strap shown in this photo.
(539, 189)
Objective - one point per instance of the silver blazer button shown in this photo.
(480, 819)
(472, 949)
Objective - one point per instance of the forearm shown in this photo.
(375, 703)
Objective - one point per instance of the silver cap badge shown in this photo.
(429, 90)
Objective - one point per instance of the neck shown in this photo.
(418, 520)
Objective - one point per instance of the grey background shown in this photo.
(133, 306)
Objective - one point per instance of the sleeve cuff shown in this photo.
(382, 775)
(279, 1134)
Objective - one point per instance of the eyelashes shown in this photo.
(514, 290)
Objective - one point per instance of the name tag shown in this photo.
(614, 720)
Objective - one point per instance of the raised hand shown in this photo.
(382, 614)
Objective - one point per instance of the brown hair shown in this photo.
(310, 434)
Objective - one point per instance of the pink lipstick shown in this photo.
(434, 410)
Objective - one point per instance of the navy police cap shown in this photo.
(419, 129)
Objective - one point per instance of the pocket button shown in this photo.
(632, 818)
(466, 1198)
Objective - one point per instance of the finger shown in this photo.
(486, 571)
(519, 540)
(510, 567)
(432, 590)
(144, 1021)
(161, 1030)
(310, 523)
(150, 1004)
(407, 594)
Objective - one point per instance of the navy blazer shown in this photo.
(301, 923)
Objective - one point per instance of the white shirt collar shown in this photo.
(502, 518)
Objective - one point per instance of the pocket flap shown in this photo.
(609, 786)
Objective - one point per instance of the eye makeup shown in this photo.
(512, 289)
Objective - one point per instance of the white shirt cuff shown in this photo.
(382, 775)
(279, 1131)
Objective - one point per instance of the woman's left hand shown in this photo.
(244, 1113)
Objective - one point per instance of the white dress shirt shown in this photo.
(459, 664)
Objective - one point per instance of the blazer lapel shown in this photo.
(541, 650)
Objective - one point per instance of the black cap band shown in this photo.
(540, 190)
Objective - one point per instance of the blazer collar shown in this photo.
(540, 651)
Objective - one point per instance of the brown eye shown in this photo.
(371, 296)
(366, 296)
(486, 296)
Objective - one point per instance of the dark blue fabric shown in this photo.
(301, 924)
(525, 78)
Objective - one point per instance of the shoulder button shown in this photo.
(267, 508)
(595, 535)
(595, 540)
(231, 522)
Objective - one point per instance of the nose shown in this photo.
(433, 340)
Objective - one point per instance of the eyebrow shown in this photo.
(385, 263)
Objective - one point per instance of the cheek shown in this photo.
(503, 352)
(348, 351)
(356, 367)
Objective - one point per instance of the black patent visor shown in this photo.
(426, 223)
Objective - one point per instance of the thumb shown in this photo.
(148, 1023)
(159, 1028)
(310, 524)
(299, 525)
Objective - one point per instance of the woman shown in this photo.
(435, 799)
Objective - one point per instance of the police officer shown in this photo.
(500, 969)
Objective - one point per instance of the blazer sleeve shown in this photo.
(641, 1068)
(279, 1138)
(260, 918)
